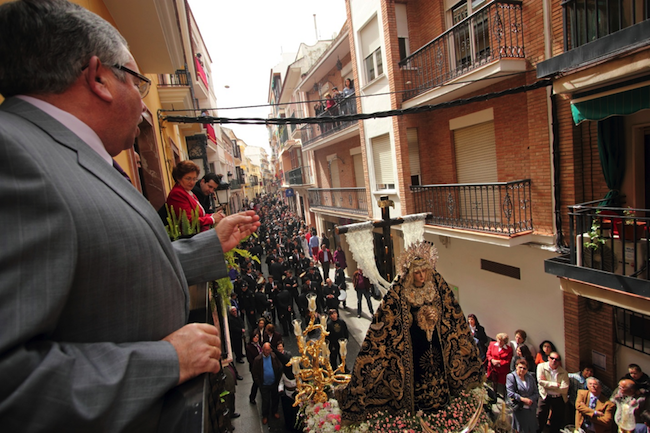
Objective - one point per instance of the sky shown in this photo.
(246, 39)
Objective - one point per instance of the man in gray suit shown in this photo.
(93, 295)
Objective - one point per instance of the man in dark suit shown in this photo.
(92, 288)
(204, 192)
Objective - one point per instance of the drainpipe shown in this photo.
(553, 129)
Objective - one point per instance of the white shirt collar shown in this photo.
(79, 128)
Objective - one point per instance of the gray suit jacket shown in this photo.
(89, 284)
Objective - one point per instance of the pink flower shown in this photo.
(337, 427)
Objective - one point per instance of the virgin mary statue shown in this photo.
(419, 348)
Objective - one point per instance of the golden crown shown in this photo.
(418, 254)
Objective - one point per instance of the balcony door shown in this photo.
(471, 35)
(476, 163)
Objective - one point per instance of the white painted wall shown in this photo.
(504, 304)
(375, 96)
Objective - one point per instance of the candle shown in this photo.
(301, 340)
(295, 365)
(325, 349)
(343, 344)
(297, 330)
(323, 321)
(312, 302)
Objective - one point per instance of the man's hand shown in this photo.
(233, 228)
(198, 348)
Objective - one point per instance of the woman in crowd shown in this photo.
(545, 349)
(339, 257)
(499, 355)
(523, 352)
(253, 348)
(523, 394)
(181, 197)
(479, 334)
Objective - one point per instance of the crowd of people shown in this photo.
(265, 300)
(543, 395)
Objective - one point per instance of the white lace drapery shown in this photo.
(361, 242)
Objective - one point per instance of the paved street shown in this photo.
(251, 416)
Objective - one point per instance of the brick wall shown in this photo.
(345, 164)
(589, 326)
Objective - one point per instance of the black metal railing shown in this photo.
(588, 20)
(298, 176)
(312, 133)
(503, 208)
(235, 184)
(342, 199)
(491, 33)
(180, 78)
(610, 239)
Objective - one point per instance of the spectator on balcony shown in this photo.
(204, 191)
(181, 197)
(348, 90)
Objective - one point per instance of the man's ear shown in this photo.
(98, 80)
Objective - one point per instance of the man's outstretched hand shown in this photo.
(233, 228)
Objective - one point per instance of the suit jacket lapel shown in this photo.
(96, 166)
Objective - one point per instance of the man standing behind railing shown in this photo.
(93, 295)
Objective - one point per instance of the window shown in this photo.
(476, 163)
(371, 50)
(414, 155)
(402, 31)
(383, 162)
(373, 63)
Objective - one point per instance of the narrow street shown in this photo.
(251, 415)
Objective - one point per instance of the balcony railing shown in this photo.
(341, 199)
(609, 239)
(503, 208)
(180, 78)
(235, 184)
(588, 20)
(298, 176)
(311, 133)
(491, 33)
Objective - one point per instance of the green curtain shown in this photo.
(611, 146)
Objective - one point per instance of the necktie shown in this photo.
(117, 167)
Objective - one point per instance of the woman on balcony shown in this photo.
(181, 197)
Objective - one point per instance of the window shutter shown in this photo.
(358, 170)
(414, 151)
(476, 154)
(383, 162)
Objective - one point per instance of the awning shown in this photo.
(615, 104)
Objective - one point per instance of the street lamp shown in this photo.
(222, 193)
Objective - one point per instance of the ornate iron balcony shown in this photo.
(298, 176)
(180, 78)
(502, 208)
(312, 133)
(493, 32)
(350, 200)
(610, 239)
(588, 20)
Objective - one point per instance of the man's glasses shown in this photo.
(554, 359)
(143, 84)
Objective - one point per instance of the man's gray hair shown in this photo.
(593, 379)
(45, 44)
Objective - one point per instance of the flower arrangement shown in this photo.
(458, 415)
(321, 417)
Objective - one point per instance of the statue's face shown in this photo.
(418, 277)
